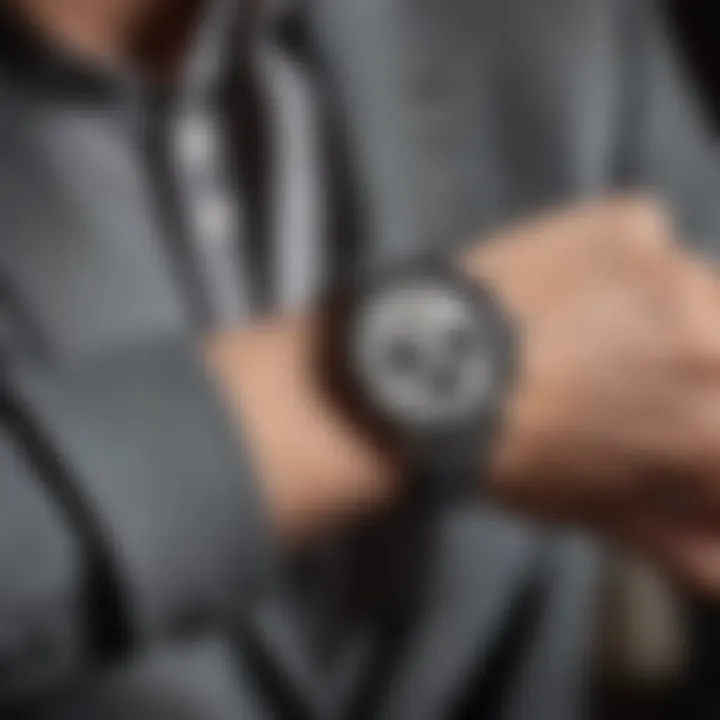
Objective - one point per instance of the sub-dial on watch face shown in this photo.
(421, 354)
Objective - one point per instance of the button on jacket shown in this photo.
(133, 218)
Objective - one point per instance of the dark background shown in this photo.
(696, 25)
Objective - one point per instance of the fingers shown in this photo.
(685, 547)
(690, 553)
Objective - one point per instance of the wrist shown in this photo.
(315, 468)
(422, 358)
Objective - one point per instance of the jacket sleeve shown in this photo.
(667, 142)
(128, 511)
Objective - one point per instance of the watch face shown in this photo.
(422, 355)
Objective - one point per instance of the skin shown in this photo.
(614, 421)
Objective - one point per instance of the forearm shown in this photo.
(587, 289)
(315, 466)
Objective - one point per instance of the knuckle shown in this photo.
(640, 223)
(696, 333)
(706, 581)
(701, 349)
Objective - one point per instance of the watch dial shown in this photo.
(422, 355)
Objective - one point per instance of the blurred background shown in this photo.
(378, 122)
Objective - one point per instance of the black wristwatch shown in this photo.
(423, 359)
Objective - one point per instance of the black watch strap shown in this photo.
(422, 360)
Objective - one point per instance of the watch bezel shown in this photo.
(336, 373)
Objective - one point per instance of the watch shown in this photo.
(423, 359)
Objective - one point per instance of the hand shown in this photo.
(615, 421)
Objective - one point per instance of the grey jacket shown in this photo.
(119, 476)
